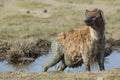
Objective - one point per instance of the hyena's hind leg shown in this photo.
(62, 66)
(56, 50)
(56, 58)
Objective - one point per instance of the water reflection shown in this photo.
(4, 66)
(112, 62)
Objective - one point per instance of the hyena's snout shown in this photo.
(90, 21)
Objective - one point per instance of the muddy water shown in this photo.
(112, 61)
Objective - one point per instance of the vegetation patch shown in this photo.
(26, 51)
(22, 25)
(26, 25)
(113, 77)
(18, 19)
(78, 1)
(110, 2)
(32, 4)
(68, 18)
(4, 47)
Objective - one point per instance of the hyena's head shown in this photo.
(94, 17)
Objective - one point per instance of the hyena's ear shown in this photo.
(101, 13)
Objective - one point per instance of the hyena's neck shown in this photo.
(97, 30)
(96, 34)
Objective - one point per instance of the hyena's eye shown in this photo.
(93, 17)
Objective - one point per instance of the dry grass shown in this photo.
(32, 4)
(26, 51)
(4, 47)
(103, 75)
(78, 1)
(105, 2)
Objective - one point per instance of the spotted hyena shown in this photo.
(80, 45)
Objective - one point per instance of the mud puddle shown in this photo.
(36, 66)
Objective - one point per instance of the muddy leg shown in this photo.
(62, 66)
(56, 58)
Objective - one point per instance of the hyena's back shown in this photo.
(76, 43)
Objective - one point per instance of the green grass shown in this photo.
(32, 5)
(21, 25)
(78, 1)
(112, 21)
(112, 2)
(107, 2)
(27, 25)
(68, 18)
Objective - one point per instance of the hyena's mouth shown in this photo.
(89, 22)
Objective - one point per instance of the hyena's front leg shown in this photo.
(62, 66)
(101, 58)
(101, 65)
(101, 62)
(56, 58)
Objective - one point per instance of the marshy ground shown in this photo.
(27, 27)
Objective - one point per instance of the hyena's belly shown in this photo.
(73, 63)
(77, 54)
